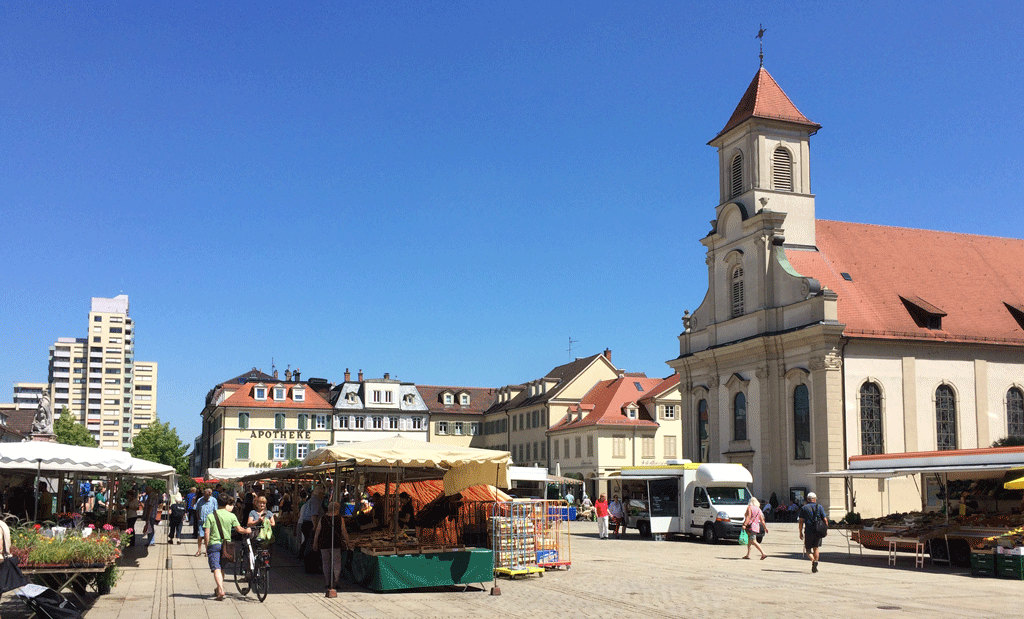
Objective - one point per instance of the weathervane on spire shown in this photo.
(760, 38)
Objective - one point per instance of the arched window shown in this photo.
(736, 178)
(702, 430)
(739, 417)
(1015, 412)
(802, 422)
(945, 417)
(782, 170)
(737, 292)
(870, 419)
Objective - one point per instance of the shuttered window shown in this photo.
(782, 170)
(737, 292)
(737, 176)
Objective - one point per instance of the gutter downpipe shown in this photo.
(848, 490)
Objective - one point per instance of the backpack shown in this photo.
(818, 521)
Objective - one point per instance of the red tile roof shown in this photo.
(969, 278)
(765, 99)
(605, 402)
(244, 398)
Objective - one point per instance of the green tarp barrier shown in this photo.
(435, 569)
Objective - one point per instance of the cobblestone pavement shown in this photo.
(608, 578)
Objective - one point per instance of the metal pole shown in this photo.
(39, 467)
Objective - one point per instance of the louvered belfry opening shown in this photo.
(737, 292)
(782, 170)
(737, 176)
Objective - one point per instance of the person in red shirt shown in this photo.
(602, 516)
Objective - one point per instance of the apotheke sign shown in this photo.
(281, 434)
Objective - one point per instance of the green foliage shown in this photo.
(292, 463)
(68, 431)
(1009, 441)
(851, 518)
(160, 443)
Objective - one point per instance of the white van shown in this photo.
(707, 499)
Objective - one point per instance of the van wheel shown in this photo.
(644, 529)
(710, 536)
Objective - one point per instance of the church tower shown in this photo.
(764, 158)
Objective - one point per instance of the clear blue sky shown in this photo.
(449, 191)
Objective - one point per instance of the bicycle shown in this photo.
(252, 567)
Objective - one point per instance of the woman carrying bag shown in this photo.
(754, 525)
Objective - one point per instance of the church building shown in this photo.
(820, 340)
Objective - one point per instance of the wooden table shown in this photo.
(61, 578)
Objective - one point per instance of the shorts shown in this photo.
(213, 556)
(811, 541)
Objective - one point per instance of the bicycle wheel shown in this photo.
(261, 581)
(242, 572)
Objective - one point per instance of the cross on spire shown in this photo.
(760, 38)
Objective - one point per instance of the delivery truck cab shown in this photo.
(706, 500)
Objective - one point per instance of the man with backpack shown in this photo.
(813, 515)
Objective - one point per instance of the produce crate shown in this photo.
(983, 564)
(1010, 566)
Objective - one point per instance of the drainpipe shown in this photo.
(847, 485)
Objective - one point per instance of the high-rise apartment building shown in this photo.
(27, 395)
(98, 380)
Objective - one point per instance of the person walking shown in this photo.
(754, 523)
(217, 526)
(205, 506)
(811, 514)
(602, 516)
(331, 539)
(309, 515)
(176, 519)
(190, 508)
(152, 512)
(616, 516)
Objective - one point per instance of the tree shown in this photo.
(68, 431)
(160, 443)
(1009, 441)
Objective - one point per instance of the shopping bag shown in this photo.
(744, 538)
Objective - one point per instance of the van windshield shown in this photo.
(728, 496)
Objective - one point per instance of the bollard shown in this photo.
(495, 590)
(168, 564)
(331, 593)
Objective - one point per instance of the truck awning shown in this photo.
(962, 471)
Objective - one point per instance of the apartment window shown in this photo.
(243, 422)
(145, 387)
(299, 395)
(618, 446)
(376, 396)
(442, 427)
(590, 445)
(736, 176)
(513, 423)
(631, 412)
(802, 423)
(417, 423)
(378, 423)
(536, 419)
(870, 419)
(277, 451)
(1015, 412)
(464, 399)
(554, 449)
(360, 422)
(303, 421)
(474, 428)
(388, 395)
(97, 318)
(392, 423)
(669, 411)
(97, 330)
(114, 330)
(737, 292)
(112, 371)
(670, 447)
(260, 393)
(945, 418)
(279, 421)
(319, 444)
(116, 319)
(536, 453)
(302, 451)
(565, 443)
(782, 169)
(111, 402)
(241, 450)
(108, 381)
(457, 427)
(647, 445)
(448, 399)
(321, 422)
(579, 447)
(739, 417)
(343, 421)
(279, 393)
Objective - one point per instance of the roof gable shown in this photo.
(764, 98)
(606, 403)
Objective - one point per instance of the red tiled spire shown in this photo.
(765, 99)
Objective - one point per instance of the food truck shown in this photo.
(689, 498)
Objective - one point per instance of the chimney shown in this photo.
(360, 376)
(295, 374)
(387, 375)
(608, 354)
(275, 372)
(348, 375)
(288, 375)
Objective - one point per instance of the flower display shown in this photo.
(36, 547)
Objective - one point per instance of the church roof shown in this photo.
(890, 280)
(765, 99)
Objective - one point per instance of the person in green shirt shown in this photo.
(222, 520)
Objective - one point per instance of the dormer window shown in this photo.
(279, 393)
(299, 395)
(408, 398)
(631, 412)
(449, 399)
(464, 399)
(259, 392)
(350, 397)
(925, 315)
(736, 176)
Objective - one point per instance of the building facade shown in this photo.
(819, 340)
(457, 413)
(27, 395)
(95, 377)
(376, 408)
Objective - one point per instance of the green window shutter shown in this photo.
(279, 421)
(242, 453)
(310, 448)
(270, 451)
(303, 421)
(291, 451)
(330, 422)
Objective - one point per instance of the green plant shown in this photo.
(851, 518)
(108, 578)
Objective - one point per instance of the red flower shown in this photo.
(38, 526)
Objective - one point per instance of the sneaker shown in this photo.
(814, 566)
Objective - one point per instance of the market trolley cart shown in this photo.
(514, 539)
(551, 524)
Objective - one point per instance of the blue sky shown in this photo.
(449, 191)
